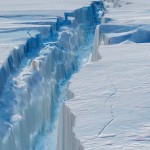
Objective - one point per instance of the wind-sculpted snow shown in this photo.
(33, 74)
(109, 102)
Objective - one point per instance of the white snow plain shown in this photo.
(22, 5)
(108, 100)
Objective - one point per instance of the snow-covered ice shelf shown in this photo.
(108, 100)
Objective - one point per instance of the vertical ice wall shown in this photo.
(66, 136)
(95, 53)
(30, 98)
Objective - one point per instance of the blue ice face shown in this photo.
(36, 73)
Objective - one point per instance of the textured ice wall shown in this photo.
(66, 136)
(33, 76)
(95, 53)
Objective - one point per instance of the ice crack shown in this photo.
(111, 107)
(109, 98)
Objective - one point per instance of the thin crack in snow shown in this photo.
(28, 32)
(111, 107)
(112, 114)
(111, 111)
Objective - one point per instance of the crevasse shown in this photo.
(34, 75)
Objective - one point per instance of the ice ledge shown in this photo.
(108, 105)
(108, 99)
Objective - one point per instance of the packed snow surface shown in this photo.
(42, 4)
(110, 100)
